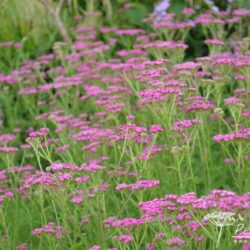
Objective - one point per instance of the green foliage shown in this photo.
(136, 14)
(28, 22)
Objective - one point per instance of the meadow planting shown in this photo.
(123, 138)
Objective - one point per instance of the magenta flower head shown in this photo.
(96, 247)
(33, 136)
(150, 246)
(214, 42)
(188, 66)
(124, 238)
(240, 135)
(182, 125)
(234, 101)
(4, 138)
(176, 241)
(130, 117)
(51, 229)
(246, 246)
(8, 149)
(142, 184)
(241, 12)
(77, 200)
(22, 246)
(242, 236)
(155, 129)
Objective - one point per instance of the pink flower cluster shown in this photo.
(142, 184)
(124, 238)
(182, 125)
(38, 134)
(50, 228)
(242, 134)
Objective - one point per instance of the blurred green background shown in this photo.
(29, 22)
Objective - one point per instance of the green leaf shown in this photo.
(136, 14)
(177, 6)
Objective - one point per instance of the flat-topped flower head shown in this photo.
(5, 138)
(155, 128)
(126, 239)
(242, 236)
(37, 135)
(199, 104)
(130, 32)
(77, 200)
(234, 101)
(142, 184)
(245, 113)
(241, 12)
(241, 134)
(6, 149)
(51, 229)
(214, 42)
(182, 125)
(166, 44)
(187, 66)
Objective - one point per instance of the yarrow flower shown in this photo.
(242, 236)
(41, 133)
(50, 228)
(22, 246)
(199, 105)
(142, 184)
(77, 200)
(245, 113)
(214, 42)
(130, 117)
(246, 246)
(124, 238)
(182, 125)
(4, 138)
(8, 149)
(150, 150)
(82, 178)
(166, 44)
(64, 176)
(234, 101)
(242, 134)
(64, 166)
(62, 148)
(96, 247)
(155, 128)
(176, 241)
(187, 66)
(92, 167)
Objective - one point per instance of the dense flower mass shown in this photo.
(242, 134)
(133, 135)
